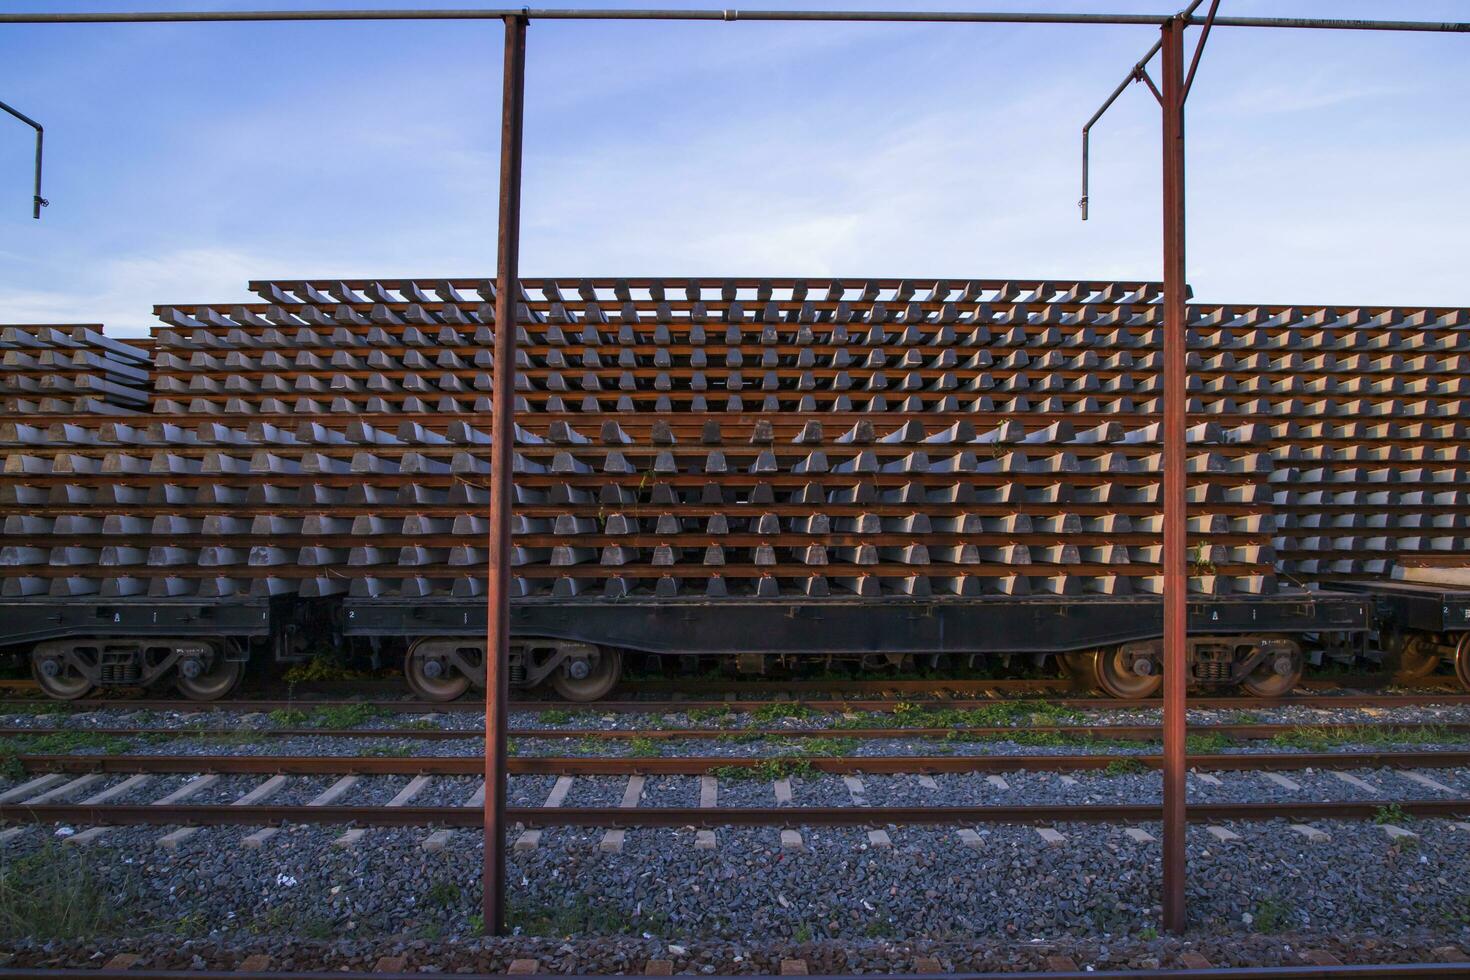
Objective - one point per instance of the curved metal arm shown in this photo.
(1139, 73)
(37, 201)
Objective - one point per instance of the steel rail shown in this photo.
(724, 16)
(1139, 733)
(628, 706)
(975, 685)
(691, 817)
(833, 686)
(343, 765)
(1391, 971)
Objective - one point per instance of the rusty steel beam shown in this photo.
(502, 453)
(1174, 451)
(725, 16)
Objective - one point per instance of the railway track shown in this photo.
(250, 804)
(249, 815)
(1347, 699)
(41, 799)
(1249, 731)
(721, 687)
(323, 765)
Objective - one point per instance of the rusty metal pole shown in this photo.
(502, 454)
(1175, 581)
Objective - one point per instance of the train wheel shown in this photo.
(1269, 681)
(1111, 671)
(1462, 660)
(599, 680)
(433, 678)
(1413, 660)
(211, 679)
(57, 678)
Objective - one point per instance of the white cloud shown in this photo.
(749, 149)
(120, 293)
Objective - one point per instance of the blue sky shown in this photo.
(183, 160)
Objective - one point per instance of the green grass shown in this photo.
(1002, 714)
(66, 741)
(642, 747)
(825, 746)
(554, 716)
(316, 927)
(777, 710)
(444, 895)
(1207, 743)
(768, 770)
(581, 916)
(40, 707)
(1458, 914)
(1023, 736)
(48, 894)
(346, 715)
(240, 736)
(319, 669)
(1391, 813)
(710, 714)
(1270, 914)
(1126, 766)
(1320, 739)
(336, 716)
(193, 924)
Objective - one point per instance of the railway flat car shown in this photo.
(762, 471)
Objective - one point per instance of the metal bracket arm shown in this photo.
(1138, 73)
(37, 201)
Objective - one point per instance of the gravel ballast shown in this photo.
(928, 885)
(1003, 898)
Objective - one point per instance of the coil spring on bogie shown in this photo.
(128, 672)
(517, 673)
(1212, 670)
